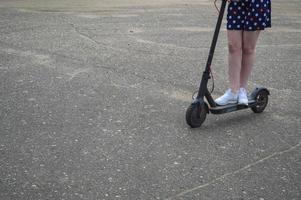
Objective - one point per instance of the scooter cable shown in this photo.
(210, 71)
(212, 87)
(216, 6)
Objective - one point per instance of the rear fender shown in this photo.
(257, 90)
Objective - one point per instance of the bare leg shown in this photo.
(235, 58)
(248, 55)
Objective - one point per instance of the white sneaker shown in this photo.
(242, 96)
(228, 98)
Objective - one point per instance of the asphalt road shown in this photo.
(93, 97)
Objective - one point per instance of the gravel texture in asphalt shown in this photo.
(93, 98)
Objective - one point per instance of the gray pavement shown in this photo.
(93, 98)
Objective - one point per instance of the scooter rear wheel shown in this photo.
(261, 99)
(196, 115)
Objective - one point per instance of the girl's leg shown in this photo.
(235, 58)
(248, 55)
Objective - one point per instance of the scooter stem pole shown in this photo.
(206, 75)
(216, 33)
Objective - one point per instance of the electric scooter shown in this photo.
(199, 108)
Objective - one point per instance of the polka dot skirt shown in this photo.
(249, 15)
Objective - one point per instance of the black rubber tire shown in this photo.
(262, 99)
(196, 115)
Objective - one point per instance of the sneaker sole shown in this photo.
(229, 102)
(243, 103)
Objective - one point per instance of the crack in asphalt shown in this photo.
(87, 37)
(140, 51)
(236, 171)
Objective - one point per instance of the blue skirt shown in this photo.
(249, 15)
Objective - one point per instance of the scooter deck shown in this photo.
(232, 107)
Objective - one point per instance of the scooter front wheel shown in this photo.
(196, 115)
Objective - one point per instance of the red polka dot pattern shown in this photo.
(249, 15)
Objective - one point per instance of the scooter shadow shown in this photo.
(237, 119)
